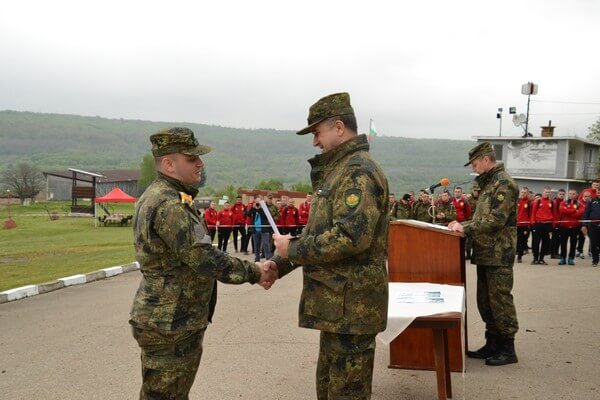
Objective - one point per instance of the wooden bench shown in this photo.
(120, 219)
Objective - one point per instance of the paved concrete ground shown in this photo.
(75, 344)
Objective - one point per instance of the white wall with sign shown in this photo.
(531, 157)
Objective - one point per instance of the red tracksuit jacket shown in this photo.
(542, 210)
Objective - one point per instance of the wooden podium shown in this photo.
(419, 252)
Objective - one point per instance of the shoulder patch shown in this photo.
(500, 197)
(185, 198)
(352, 197)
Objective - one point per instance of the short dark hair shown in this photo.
(491, 155)
(349, 121)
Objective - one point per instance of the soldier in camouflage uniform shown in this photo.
(421, 210)
(444, 209)
(176, 297)
(342, 251)
(494, 233)
(404, 209)
(393, 207)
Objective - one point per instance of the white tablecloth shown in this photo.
(401, 313)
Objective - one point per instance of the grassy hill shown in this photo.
(240, 157)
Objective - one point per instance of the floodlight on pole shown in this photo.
(528, 89)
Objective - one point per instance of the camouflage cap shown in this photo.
(327, 107)
(176, 140)
(479, 151)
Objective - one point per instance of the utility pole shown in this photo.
(528, 88)
(499, 116)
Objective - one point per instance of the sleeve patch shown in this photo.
(352, 197)
(500, 197)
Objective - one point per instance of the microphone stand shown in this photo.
(432, 208)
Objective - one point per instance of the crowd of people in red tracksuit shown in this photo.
(240, 220)
(555, 224)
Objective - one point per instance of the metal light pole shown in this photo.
(499, 116)
(528, 88)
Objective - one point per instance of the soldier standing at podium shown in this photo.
(493, 230)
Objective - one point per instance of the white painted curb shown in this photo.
(112, 271)
(21, 292)
(73, 280)
(33, 290)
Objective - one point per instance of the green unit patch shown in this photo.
(352, 197)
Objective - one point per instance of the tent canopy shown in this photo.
(116, 196)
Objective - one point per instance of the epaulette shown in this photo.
(186, 198)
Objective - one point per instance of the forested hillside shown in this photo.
(240, 157)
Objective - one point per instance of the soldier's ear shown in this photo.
(339, 127)
(168, 164)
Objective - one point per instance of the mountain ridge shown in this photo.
(240, 157)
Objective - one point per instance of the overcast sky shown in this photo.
(435, 69)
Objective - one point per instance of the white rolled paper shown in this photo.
(269, 216)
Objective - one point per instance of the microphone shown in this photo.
(442, 182)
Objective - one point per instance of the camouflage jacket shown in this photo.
(343, 246)
(393, 211)
(494, 224)
(177, 260)
(447, 209)
(420, 212)
(403, 211)
(473, 203)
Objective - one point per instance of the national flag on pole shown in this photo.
(372, 130)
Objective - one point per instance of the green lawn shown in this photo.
(40, 250)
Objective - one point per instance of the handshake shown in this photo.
(268, 273)
(268, 269)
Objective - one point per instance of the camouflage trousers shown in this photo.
(495, 301)
(345, 366)
(169, 362)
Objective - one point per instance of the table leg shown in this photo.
(442, 364)
(447, 365)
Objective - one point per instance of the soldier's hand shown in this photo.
(281, 244)
(455, 226)
(268, 274)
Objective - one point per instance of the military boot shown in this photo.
(489, 349)
(505, 354)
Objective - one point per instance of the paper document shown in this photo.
(269, 216)
(419, 297)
